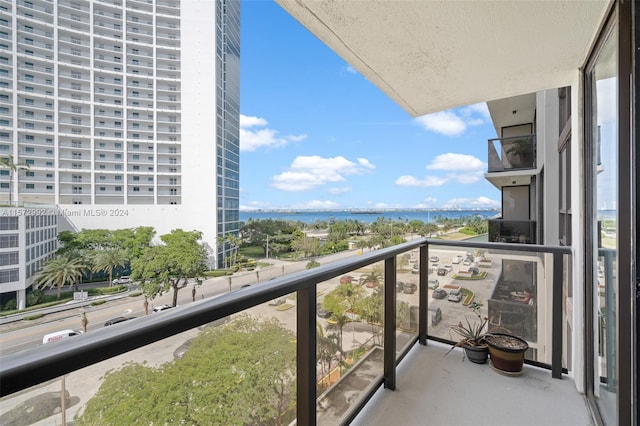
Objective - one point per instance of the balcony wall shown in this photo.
(512, 231)
(340, 360)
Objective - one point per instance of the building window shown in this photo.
(9, 275)
(9, 223)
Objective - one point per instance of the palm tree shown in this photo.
(13, 168)
(108, 259)
(59, 271)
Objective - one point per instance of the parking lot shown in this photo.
(452, 312)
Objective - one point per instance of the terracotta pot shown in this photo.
(476, 354)
(507, 352)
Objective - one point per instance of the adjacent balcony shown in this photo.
(512, 231)
(513, 153)
(359, 364)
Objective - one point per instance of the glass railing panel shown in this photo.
(407, 292)
(238, 370)
(349, 341)
(512, 153)
(513, 291)
(449, 291)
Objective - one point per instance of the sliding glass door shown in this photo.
(609, 202)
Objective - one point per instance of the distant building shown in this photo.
(28, 238)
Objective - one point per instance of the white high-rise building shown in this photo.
(125, 115)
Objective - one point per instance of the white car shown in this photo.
(457, 259)
(454, 296)
(122, 280)
(162, 308)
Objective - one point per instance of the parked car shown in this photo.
(399, 286)
(323, 313)
(276, 302)
(433, 284)
(415, 269)
(474, 271)
(122, 280)
(467, 262)
(454, 296)
(162, 308)
(457, 259)
(346, 279)
(116, 320)
(439, 293)
(449, 268)
(443, 271)
(410, 288)
(434, 259)
(436, 314)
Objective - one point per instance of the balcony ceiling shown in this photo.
(429, 56)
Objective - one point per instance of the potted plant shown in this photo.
(521, 153)
(507, 352)
(472, 336)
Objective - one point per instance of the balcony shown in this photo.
(379, 350)
(512, 231)
(513, 153)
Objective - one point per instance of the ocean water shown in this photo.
(307, 216)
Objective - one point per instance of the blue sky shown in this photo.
(316, 134)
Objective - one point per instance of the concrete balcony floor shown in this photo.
(432, 389)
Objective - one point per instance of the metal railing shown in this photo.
(22, 370)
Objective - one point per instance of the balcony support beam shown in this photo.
(423, 295)
(556, 315)
(390, 323)
(306, 355)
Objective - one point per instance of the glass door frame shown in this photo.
(621, 20)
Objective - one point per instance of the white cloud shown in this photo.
(472, 202)
(462, 168)
(308, 172)
(480, 109)
(351, 69)
(252, 139)
(426, 181)
(443, 122)
(246, 121)
(317, 205)
(455, 122)
(255, 205)
(427, 202)
(456, 162)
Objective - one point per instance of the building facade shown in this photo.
(28, 238)
(123, 115)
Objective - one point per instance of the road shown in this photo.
(20, 335)
(83, 384)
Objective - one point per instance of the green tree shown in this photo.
(374, 276)
(169, 266)
(309, 246)
(59, 271)
(242, 373)
(326, 349)
(8, 163)
(107, 260)
(134, 240)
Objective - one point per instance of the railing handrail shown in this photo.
(27, 368)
